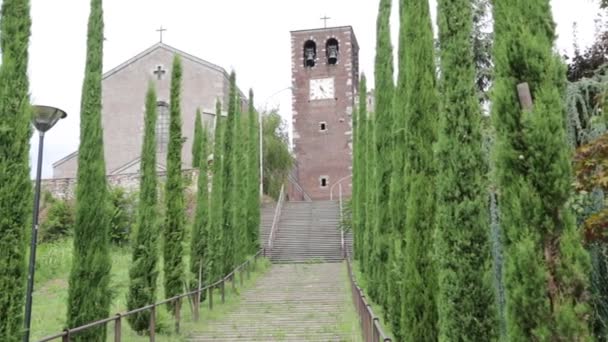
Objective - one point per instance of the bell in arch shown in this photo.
(332, 51)
(310, 54)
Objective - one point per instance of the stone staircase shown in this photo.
(296, 302)
(308, 232)
(267, 215)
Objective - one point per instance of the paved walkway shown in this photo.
(292, 302)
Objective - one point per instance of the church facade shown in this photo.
(124, 89)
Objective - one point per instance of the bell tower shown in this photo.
(325, 77)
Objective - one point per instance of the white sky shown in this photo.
(251, 37)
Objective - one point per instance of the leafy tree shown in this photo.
(174, 228)
(253, 177)
(197, 144)
(213, 264)
(418, 297)
(143, 273)
(89, 296)
(465, 296)
(546, 266)
(15, 184)
(200, 239)
(482, 47)
(278, 162)
(228, 170)
(382, 163)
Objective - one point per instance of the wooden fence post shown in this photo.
(153, 323)
(117, 328)
(178, 309)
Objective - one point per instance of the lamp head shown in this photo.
(46, 117)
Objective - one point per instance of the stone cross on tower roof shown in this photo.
(325, 19)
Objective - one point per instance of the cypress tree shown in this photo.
(253, 178)
(143, 273)
(197, 143)
(89, 296)
(228, 169)
(198, 245)
(15, 184)
(359, 175)
(397, 196)
(546, 266)
(174, 192)
(382, 165)
(214, 263)
(465, 294)
(238, 202)
(418, 303)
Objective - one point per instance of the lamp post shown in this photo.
(44, 119)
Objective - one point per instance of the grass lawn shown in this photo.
(51, 292)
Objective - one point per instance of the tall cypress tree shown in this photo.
(197, 143)
(143, 273)
(214, 263)
(237, 199)
(382, 165)
(418, 303)
(89, 296)
(174, 224)
(253, 177)
(546, 266)
(465, 294)
(15, 184)
(359, 175)
(228, 243)
(199, 243)
(397, 196)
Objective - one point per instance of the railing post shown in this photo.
(241, 277)
(153, 323)
(117, 328)
(178, 309)
(66, 337)
(210, 297)
(248, 266)
(233, 279)
(223, 291)
(197, 298)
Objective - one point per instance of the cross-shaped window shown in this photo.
(160, 72)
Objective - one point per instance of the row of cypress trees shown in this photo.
(226, 221)
(421, 191)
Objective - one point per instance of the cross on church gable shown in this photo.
(160, 72)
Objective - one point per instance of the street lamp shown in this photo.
(44, 119)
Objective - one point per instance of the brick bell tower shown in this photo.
(325, 76)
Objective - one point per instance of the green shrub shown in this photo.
(59, 220)
(122, 209)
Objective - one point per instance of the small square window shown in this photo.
(323, 126)
(324, 181)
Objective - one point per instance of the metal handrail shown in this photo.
(331, 190)
(306, 196)
(341, 225)
(275, 219)
(370, 323)
(117, 319)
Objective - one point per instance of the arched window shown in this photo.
(333, 49)
(162, 126)
(310, 54)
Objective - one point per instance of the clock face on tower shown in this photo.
(322, 89)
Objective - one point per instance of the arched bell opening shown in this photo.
(333, 50)
(310, 54)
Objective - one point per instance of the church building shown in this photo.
(124, 89)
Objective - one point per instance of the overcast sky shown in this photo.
(251, 37)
